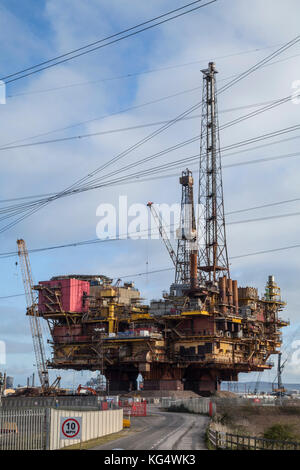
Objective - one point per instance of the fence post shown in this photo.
(47, 429)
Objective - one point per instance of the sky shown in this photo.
(90, 94)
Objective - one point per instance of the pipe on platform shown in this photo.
(223, 297)
(230, 292)
(235, 296)
(194, 270)
(111, 318)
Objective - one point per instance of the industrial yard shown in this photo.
(158, 353)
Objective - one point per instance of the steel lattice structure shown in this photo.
(33, 313)
(213, 256)
(186, 234)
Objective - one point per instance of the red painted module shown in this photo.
(73, 292)
(69, 334)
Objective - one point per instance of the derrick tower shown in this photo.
(213, 256)
(186, 260)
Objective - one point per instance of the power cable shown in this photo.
(270, 105)
(150, 71)
(64, 58)
(155, 133)
(133, 177)
(172, 269)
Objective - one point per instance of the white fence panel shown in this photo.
(94, 424)
(194, 405)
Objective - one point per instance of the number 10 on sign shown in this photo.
(70, 428)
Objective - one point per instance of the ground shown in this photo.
(162, 430)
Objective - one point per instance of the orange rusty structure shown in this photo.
(179, 343)
(206, 330)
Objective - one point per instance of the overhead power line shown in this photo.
(270, 105)
(137, 106)
(146, 232)
(99, 118)
(261, 63)
(264, 206)
(125, 110)
(149, 71)
(140, 176)
(259, 219)
(141, 142)
(178, 164)
(112, 39)
(157, 271)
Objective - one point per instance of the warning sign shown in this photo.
(70, 428)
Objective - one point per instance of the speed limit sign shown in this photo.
(70, 428)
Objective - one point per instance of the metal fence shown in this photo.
(193, 405)
(134, 408)
(24, 429)
(221, 440)
(84, 401)
(39, 428)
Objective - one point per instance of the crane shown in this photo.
(280, 390)
(88, 389)
(186, 259)
(257, 384)
(162, 232)
(32, 312)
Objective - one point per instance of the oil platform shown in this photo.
(206, 329)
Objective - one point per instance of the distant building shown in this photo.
(9, 382)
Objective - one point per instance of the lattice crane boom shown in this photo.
(163, 232)
(32, 312)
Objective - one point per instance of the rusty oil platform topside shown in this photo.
(175, 344)
(205, 330)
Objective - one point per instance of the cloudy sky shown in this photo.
(103, 91)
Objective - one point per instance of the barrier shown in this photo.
(221, 440)
(194, 405)
(40, 429)
(94, 424)
(134, 408)
(23, 429)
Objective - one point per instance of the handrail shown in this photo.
(222, 440)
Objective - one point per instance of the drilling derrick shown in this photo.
(186, 263)
(213, 257)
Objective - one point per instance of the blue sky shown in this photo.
(34, 30)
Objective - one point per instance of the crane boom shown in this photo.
(32, 312)
(162, 232)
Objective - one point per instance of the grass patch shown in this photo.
(208, 444)
(281, 432)
(100, 441)
(289, 410)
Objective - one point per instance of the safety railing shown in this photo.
(227, 441)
